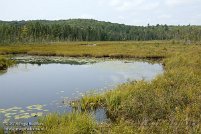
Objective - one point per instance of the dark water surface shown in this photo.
(30, 90)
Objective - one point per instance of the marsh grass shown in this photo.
(168, 104)
(88, 102)
(150, 50)
(73, 123)
(5, 62)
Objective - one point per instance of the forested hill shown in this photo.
(91, 30)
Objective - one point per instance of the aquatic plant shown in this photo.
(18, 113)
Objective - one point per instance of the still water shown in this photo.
(31, 90)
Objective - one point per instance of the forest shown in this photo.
(91, 30)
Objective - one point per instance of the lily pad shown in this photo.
(35, 107)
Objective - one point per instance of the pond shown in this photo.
(29, 90)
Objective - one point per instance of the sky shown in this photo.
(130, 12)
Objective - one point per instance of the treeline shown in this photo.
(91, 30)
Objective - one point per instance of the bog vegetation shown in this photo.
(168, 104)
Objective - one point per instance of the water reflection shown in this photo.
(31, 85)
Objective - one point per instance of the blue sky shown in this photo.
(132, 12)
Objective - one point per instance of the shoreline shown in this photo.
(169, 103)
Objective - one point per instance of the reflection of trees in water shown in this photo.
(2, 72)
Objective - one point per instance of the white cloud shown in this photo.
(164, 16)
(86, 16)
(130, 5)
(179, 2)
(115, 2)
(121, 17)
(150, 6)
(125, 5)
(132, 12)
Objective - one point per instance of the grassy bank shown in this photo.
(5, 62)
(168, 104)
(73, 123)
